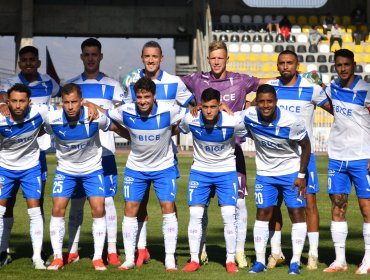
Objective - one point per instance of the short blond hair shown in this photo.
(217, 45)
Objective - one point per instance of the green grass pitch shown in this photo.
(21, 251)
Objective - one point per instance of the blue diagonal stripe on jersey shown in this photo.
(41, 88)
(268, 131)
(96, 91)
(11, 130)
(75, 132)
(348, 96)
(214, 134)
(159, 121)
(294, 93)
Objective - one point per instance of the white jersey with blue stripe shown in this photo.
(349, 137)
(214, 146)
(277, 149)
(78, 147)
(105, 92)
(42, 90)
(300, 99)
(19, 149)
(151, 146)
(169, 88)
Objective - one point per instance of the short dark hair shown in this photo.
(20, 88)
(91, 42)
(145, 83)
(29, 49)
(266, 88)
(210, 94)
(71, 87)
(289, 52)
(344, 53)
(151, 44)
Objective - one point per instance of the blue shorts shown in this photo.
(110, 175)
(65, 184)
(341, 175)
(201, 183)
(44, 166)
(267, 188)
(135, 184)
(313, 186)
(29, 179)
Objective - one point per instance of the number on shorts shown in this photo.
(126, 191)
(58, 187)
(258, 197)
(191, 194)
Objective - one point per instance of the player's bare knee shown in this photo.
(297, 215)
(339, 205)
(264, 214)
(167, 207)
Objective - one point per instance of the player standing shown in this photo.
(43, 88)
(280, 168)
(300, 97)
(349, 154)
(214, 141)
(106, 93)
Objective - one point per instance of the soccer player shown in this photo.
(106, 93)
(213, 167)
(349, 154)
(169, 88)
(43, 88)
(20, 164)
(300, 97)
(79, 156)
(281, 167)
(234, 88)
(151, 160)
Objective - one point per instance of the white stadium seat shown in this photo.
(245, 48)
(324, 48)
(296, 29)
(256, 48)
(367, 68)
(233, 47)
(302, 38)
(325, 79)
(311, 67)
(268, 48)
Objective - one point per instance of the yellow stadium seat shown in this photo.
(241, 57)
(320, 29)
(358, 49)
(232, 57)
(334, 47)
(322, 18)
(292, 19)
(364, 28)
(230, 68)
(313, 20)
(302, 68)
(366, 58)
(306, 29)
(274, 57)
(346, 20)
(266, 67)
(358, 57)
(348, 47)
(367, 48)
(242, 69)
(265, 57)
(347, 38)
(351, 28)
(253, 57)
(302, 20)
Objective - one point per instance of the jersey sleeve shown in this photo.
(47, 126)
(183, 95)
(104, 122)
(240, 128)
(118, 94)
(116, 114)
(319, 97)
(298, 130)
(177, 113)
(184, 125)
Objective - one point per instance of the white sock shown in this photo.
(339, 231)
(129, 232)
(228, 215)
(313, 238)
(141, 243)
(99, 229)
(76, 216)
(57, 230)
(275, 242)
(203, 239)
(299, 231)
(2, 212)
(8, 225)
(195, 231)
(170, 231)
(36, 231)
(241, 224)
(261, 235)
(111, 217)
(366, 233)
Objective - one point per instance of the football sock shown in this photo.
(129, 232)
(313, 238)
(57, 230)
(339, 231)
(195, 231)
(111, 218)
(299, 231)
(99, 229)
(241, 224)
(36, 231)
(260, 235)
(228, 215)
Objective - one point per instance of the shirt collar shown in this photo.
(201, 120)
(25, 82)
(81, 119)
(98, 78)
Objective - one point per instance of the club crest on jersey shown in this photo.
(258, 187)
(129, 180)
(2, 179)
(59, 177)
(193, 184)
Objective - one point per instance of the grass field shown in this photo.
(21, 267)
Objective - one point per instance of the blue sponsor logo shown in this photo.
(342, 110)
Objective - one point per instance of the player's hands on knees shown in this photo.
(300, 183)
(4, 110)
